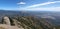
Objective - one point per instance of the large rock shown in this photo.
(6, 20)
(4, 26)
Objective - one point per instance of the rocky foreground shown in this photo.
(25, 22)
(6, 24)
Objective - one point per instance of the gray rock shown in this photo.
(6, 20)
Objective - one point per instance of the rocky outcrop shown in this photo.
(7, 24)
(26, 23)
(6, 20)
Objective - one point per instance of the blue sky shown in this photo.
(30, 5)
(40, 5)
(8, 4)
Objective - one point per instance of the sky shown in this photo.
(8, 4)
(30, 5)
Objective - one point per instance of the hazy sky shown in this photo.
(30, 5)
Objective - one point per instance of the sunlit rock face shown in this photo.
(6, 20)
(7, 24)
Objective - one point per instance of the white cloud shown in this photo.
(41, 4)
(33, 7)
(21, 3)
